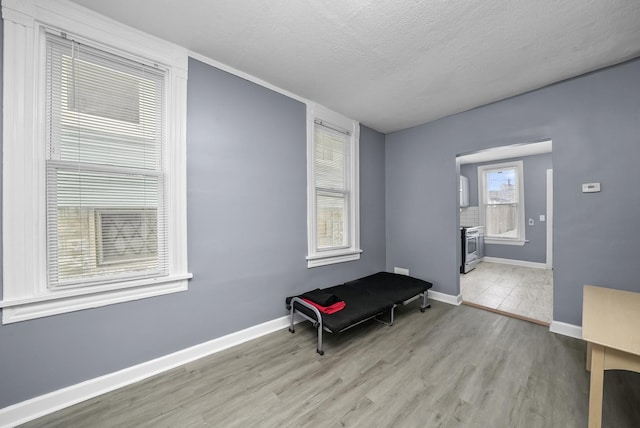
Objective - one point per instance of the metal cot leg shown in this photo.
(425, 303)
(317, 322)
(320, 350)
(391, 311)
(291, 327)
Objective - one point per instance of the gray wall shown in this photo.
(246, 240)
(594, 122)
(535, 203)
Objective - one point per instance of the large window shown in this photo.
(501, 197)
(105, 166)
(333, 188)
(96, 212)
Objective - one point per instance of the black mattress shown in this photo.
(367, 297)
(360, 305)
(392, 286)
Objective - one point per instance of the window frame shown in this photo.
(520, 214)
(317, 257)
(25, 292)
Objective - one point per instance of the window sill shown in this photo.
(320, 259)
(59, 302)
(516, 242)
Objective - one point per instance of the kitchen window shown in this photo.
(96, 153)
(333, 213)
(501, 197)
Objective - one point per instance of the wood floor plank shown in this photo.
(448, 367)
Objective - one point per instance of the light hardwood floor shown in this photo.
(448, 367)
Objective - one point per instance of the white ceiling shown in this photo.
(395, 64)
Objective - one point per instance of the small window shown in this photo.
(501, 190)
(333, 188)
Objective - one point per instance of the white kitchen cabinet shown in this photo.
(464, 191)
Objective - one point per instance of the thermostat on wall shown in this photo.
(590, 187)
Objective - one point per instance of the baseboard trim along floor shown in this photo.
(565, 329)
(445, 298)
(512, 262)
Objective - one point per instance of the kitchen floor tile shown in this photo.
(514, 289)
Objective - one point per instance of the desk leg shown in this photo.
(596, 387)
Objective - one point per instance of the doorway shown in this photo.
(514, 277)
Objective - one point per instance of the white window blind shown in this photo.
(331, 187)
(106, 213)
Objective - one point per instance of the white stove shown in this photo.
(472, 239)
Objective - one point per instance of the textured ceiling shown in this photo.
(396, 64)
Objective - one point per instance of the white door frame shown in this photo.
(549, 263)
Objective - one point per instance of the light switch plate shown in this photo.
(590, 187)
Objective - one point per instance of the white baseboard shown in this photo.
(446, 298)
(566, 329)
(522, 263)
(34, 408)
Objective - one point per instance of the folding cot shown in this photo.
(365, 298)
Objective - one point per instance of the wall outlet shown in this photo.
(401, 271)
(542, 217)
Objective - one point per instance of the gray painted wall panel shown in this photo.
(594, 122)
(535, 203)
(246, 242)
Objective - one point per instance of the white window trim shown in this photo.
(518, 165)
(25, 294)
(322, 258)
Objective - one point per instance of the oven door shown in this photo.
(471, 247)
